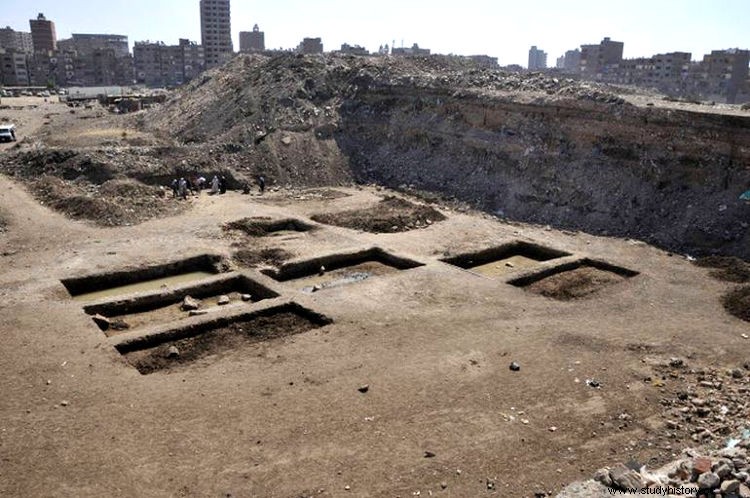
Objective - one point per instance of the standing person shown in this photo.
(215, 185)
(175, 187)
(223, 185)
(201, 183)
(262, 184)
(183, 188)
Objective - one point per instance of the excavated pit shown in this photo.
(119, 316)
(96, 287)
(263, 227)
(215, 339)
(499, 261)
(574, 280)
(340, 269)
(390, 215)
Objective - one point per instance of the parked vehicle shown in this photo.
(7, 133)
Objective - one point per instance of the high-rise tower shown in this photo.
(216, 31)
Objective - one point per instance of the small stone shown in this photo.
(730, 487)
(429, 454)
(119, 325)
(287, 140)
(246, 297)
(197, 312)
(525, 421)
(552, 429)
(676, 362)
(223, 300)
(625, 478)
(347, 487)
(363, 389)
(173, 352)
(64, 403)
(708, 480)
(672, 425)
(190, 303)
(723, 471)
(322, 271)
(737, 373)
(102, 321)
(444, 485)
(515, 367)
(490, 484)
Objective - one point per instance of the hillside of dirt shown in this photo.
(526, 147)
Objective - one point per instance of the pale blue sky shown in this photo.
(495, 27)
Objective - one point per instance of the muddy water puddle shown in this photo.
(343, 276)
(146, 286)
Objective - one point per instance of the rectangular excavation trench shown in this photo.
(499, 261)
(165, 307)
(214, 339)
(262, 227)
(575, 280)
(118, 283)
(340, 269)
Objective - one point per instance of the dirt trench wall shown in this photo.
(669, 177)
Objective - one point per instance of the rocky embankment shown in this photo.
(526, 147)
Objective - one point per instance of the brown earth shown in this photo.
(392, 214)
(287, 417)
(574, 284)
(728, 268)
(737, 302)
(251, 258)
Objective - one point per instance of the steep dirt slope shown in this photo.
(528, 147)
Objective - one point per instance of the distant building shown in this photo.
(353, 50)
(160, 65)
(43, 35)
(88, 43)
(14, 70)
(484, 61)
(725, 72)
(16, 40)
(597, 60)
(53, 68)
(413, 50)
(310, 46)
(571, 61)
(252, 41)
(537, 59)
(216, 31)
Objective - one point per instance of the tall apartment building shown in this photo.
(216, 31)
(20, 41)
(537, 59)
(725, 72)
(414, 50)
(14, 70)
(159, 65)
(88, 43)
(43, 34)
(252, 41)
(602, 58)
(311, 46)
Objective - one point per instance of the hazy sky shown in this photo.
(503, 29)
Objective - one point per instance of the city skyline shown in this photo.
(505, 31)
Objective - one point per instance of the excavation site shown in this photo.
(455, 281)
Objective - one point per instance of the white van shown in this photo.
(7, 133)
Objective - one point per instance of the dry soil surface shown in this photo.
(408, 392)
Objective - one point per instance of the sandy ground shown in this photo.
(285, 418)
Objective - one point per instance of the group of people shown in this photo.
(193, 185)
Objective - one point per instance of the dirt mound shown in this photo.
(727, 268)
(574, 284)
(115, 203)
(390, 215)
(252, 258)
(737, 302)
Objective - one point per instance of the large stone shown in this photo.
(730, 487)
(708, 480)
(701, 465)
(625, 478)
(189, 304)
(744, 491)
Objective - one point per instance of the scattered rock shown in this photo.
(223, 300)
(173, 352)
(363, 389)
(708, 480)
(429, 454)
(625, 478)
(190, 304)
(515, 367)
(197, 312)
(246, 297)
(64, 403)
